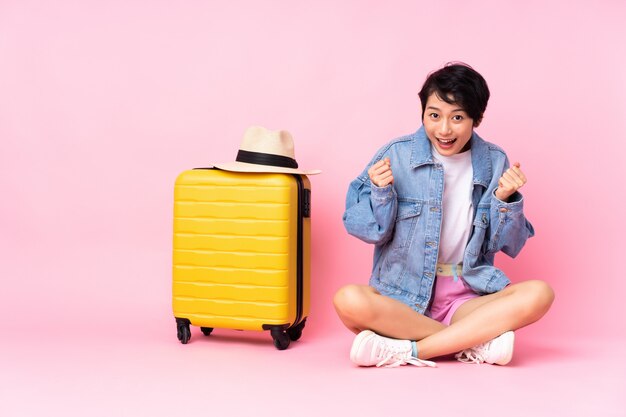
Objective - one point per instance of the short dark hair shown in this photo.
(457, 83)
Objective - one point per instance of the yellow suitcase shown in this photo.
(241, 253)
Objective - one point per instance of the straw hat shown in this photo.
(264, 150)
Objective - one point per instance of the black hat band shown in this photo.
(259, 158)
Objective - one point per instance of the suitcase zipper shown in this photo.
(303, 211)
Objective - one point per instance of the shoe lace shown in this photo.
(391, 356)
(476, 354)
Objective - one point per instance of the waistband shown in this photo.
(449, 270)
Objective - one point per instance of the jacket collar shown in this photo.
(421, 154)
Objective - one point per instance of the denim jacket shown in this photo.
(403, 220)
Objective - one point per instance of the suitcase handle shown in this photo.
(306, 203)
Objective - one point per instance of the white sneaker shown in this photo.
(497, 351)
(369, 349)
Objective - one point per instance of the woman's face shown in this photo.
(447, 126)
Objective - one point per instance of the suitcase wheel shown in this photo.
(183, 332)
(296, 332)
(206, 330)
(281, 338)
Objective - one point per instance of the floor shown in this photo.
(140, 369)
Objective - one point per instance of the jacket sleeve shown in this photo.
(509, 227)
(370, 210)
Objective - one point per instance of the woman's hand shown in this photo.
(380, 173)
(512, 180)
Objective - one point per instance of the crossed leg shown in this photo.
(476, 321)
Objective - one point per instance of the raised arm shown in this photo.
(510, 229)
(371, 204)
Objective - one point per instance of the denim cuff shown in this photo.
(515, 203)
(382, 194)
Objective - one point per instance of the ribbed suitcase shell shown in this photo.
(235, 261)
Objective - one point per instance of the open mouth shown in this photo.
(446, 143)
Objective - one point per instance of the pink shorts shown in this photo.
(448, 295)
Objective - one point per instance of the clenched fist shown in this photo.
(380, 173)
(512, 180)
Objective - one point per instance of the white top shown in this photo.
(457, 205)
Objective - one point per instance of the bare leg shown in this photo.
(361, 307)
(484, 318)
(478, 320)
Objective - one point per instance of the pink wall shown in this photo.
(102, 104)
